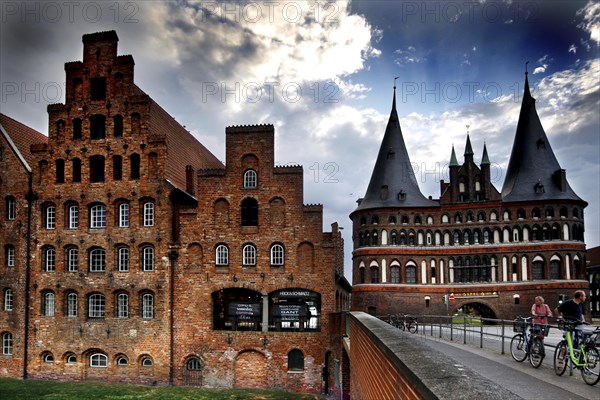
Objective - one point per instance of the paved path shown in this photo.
(520, 378)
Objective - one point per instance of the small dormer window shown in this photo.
(402, 195)
(541, 144)
(384, 192)
(391, 154)
(539, 188)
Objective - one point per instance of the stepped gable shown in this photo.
(22, 136)
(533, 171)
(393, 182)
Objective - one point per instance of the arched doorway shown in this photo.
(478, 309)
(250, 370)
(192, 372)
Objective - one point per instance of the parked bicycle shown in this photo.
(528, 341)
(583, 356)
(405, 322)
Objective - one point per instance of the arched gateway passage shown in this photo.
(477, 309)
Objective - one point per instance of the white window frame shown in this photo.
(98, 360)
(147, 362)
(148, 213)
(249, 255)
(124, 215)
(97, 260)
(250, 179)
(71, 305)
(122, 305)
(48, 304)
(98, 216)
(222, 255)
(96, 305)
(71, 359)
(50, 217)
(147, 306)
(147, 258)
(7, 344)
(277, 254)
(122, 361)
(10, 255)
(73, 217)
(73, 259)
(8, 299)
(11, 208)
(123, 259)
(49, 259)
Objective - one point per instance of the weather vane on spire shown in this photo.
(468, 125)
(395, 82)
(526, 62)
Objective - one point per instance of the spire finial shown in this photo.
(526, 62)
(468, 125)
(395, 82)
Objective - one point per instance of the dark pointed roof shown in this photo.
(393, 182)
(533, 167)
(453, 160)
(485, 159)
(468, 147)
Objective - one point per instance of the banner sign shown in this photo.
(244, 310)
(290, 312)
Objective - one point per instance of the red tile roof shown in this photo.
(22, 136)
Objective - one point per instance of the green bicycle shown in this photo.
(586, 358)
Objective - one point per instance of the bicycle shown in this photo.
(405, 322)
(527, 342)
(586, 358)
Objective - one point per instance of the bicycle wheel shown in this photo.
(413, 326)
(518, 349)
(561, 357)
(591, 372)
(536, 352)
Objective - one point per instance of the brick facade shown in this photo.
(129, 214)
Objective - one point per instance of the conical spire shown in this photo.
(485, 160)
(533, 171)
(468, 147)
(453, 160)
(393, 182)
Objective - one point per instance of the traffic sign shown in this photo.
(451, 297)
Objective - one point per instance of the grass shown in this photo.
(459, 320)
(32, 390)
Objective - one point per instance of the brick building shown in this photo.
(149, 260)
(17, 220)
(491, 251)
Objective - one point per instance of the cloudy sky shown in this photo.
(322, 73)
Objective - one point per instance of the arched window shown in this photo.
(73, 216)
(72, 259)
(122, 306)
(249, 255)
(295, 360)
(48, 304)
(7, 344)
(71, 359)
(96, 305)
(392, 219)
(555, 269)
(11, 208)
(277, 255)
(250, 179)
(249, 212)
(48, 358)
(97, 260)
(123, 259)
(374, 274)
(9, 253)
(49, 211)
(537, 270)
(146, 361)
(395, 274)
(148, 212)
(122, 361)
(134, 163)
(123, 215)
(8, 299)
(147, 258)
(97, 126)
(222, 255)
(411, 274)
(98, 216)
(118, 125)
(117, 167)
(98, 360)
(147, 308)
(71, 305)
(49, 259)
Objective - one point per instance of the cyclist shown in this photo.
(573, 310)
(541, 312)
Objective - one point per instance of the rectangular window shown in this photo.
(148, 214)
(49, 260)
(73, 217)
(123, 259)
(72, 305)
(147, 259)
(123, 215)
(147, 306)
(96, 306)
(97, 260)
(7, 344)
(98, 88)
(122, 306)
